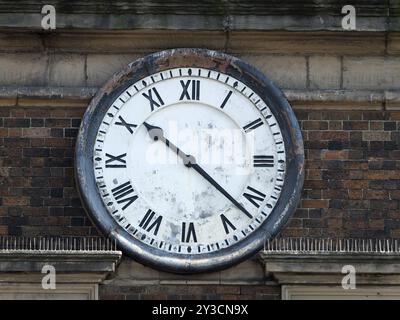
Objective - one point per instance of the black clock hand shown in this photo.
(206, 176)
(156, 133)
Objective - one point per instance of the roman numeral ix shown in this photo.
(122, 194)
(146, 225)
(188, 232)
(263, 161)
(194, 92)
(116, 161)
(254, 196)
(154, 102)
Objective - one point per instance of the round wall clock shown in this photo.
(190, 159)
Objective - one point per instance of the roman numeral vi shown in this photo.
(188, 232)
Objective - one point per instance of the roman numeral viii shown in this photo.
(254, 196)
(124, 193)
(263, 161)
(115, 161)
(190, 90)
(188, 232)
(148, 224)
(155, 101)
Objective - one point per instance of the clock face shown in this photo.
(188, 164)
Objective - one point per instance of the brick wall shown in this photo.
(351, 189)
(345, 92)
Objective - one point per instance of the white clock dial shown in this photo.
(199, 204)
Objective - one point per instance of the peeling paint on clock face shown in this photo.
(224, 126)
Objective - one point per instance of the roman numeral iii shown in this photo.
(263, 161)
(155, 101)
(115, 161)
(124, 193)
(188, 232)
(190, 90)
(254, 196)
(146, 225)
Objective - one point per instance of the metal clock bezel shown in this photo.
(192, 58)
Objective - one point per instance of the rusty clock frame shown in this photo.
(180, 58)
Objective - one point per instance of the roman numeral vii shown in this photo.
(148, 224)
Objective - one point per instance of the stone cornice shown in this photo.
(236, 42)
(300, 99)
(203, 15)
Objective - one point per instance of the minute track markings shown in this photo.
(226, 99)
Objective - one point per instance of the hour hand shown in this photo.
(156, 133)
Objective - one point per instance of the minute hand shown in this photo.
(206, 176)
(156, 133)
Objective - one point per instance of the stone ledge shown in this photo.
(237, 42)
(300, 99)
(63, 261)
(320, 261)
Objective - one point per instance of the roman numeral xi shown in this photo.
(155, 101)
